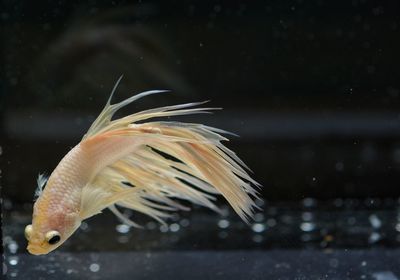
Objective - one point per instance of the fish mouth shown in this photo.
(35, 250)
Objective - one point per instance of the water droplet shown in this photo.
(94, 267)
(13, 247)
(305, 237)
(163, 228)
(259, 217)
(174, 227)
(374, 237)
(307, 216)
(309, 202)
(84, 226)
(339, 166)
(123, 239)
(258, 238)
(175, 217)
(351, 220)
(338, 202)
(184, 222)
(151, 225)
(13, 260)
(122, 228)
(259, 202)
(375, 221)
(334, 263)
(307, 226)
(223, 223)
(271, 222)
(258, 227)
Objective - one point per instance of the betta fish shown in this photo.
(139, 164)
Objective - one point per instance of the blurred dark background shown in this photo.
(312, 87)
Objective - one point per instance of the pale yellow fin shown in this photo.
(202, 168)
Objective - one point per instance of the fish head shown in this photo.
(47, 232)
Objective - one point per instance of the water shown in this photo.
(281, 225)
(311, 87)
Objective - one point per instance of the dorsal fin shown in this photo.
(109, 110)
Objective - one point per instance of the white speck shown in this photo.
(94, 267)
(307, 226)
(174, 227)
(314, 179)
(223, 223)
(363, 263)
(122, 228)
(258, 227)
(201, 45)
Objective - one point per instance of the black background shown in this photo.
(312, 87)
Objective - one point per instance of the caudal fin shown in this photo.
(184, 161)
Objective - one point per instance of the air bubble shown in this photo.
(307, 226)
(174, 227)
(223, 223)
(184, 222)
(13, 260)
(94, 267)
(258, 227)
(122, 228)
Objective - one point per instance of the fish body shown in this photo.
(94, 174)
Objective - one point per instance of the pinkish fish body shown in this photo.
(90, 177)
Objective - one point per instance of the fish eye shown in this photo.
(28, 231)
(53, 237)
